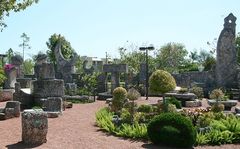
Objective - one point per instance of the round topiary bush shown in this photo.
(119, 98)
(172, 129)
(161, 82)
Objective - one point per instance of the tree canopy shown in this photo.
(171, 56)
(66, 49)
(6, 6)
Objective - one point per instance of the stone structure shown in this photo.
(65, 68)
(87, 70)
(11, 74)
(6, 95)
(226, 73)
(53, 106)
(11, 110)
(17, 61)
(46, 85)
(115, 70)
(34, 127)
(227, 66)
(227, 104)
(23, 96)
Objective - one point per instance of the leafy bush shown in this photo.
(2, 77)
(217, 108)
(104, 121)
(125, 116)
(224, 130)
(145, 108)
(133, 131)
(172, 129)
(198, 91)
(174, 101)
(161, 82)
(133, 94)
(217, 94)
(119, 98)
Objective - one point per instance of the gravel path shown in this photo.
(76, 129)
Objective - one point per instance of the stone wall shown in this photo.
(205, 79)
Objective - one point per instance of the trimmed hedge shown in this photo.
(172, 129)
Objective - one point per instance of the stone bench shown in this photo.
(227, 104)
(182, 97)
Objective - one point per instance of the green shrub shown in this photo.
(161, 82)
(133, 94)
(198, 91)
(201, 139)
(125, 116)
(174, 101)
(145, 108)
(217, 108)
(217, 94)
(104, 120)
(119, 98)
(172, 129)
(133, 131)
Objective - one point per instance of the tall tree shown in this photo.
(28, 65)
(25, 43)
(171, 56)
(134, 57)
(66, 49)
(6, 6)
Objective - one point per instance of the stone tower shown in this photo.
(227, 66)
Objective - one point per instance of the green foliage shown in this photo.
(132, 56)
(145, 108)
(201, 139)
(133, 94)
(217, 108)
(2, 77)
(28, 66)
(66, 48)
(119, 98)
(133, 131)
(171, 56)
(6, 6)
(126, 116)
(172, 129)
(174, 101)
(161, 82)
(217, 94)
(104, 120)
(224, 130)
(198, 91)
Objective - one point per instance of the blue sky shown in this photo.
(97, 26)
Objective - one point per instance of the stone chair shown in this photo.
(11, 110)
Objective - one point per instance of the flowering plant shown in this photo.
(8, 67)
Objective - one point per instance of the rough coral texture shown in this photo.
(34, 127)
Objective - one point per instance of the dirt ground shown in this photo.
(76, 129)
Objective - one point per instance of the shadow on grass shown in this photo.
(21, 145)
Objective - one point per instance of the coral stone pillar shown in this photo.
(34, 127)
